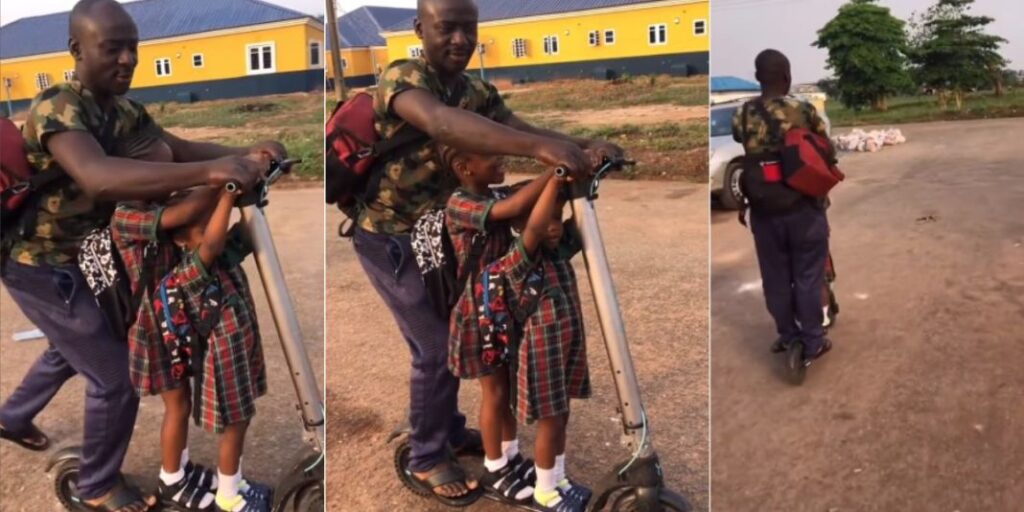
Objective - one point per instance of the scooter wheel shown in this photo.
(796, 370)
(403, 453)
(668, 500)
(65, 484)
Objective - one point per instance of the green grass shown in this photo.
(916, 109)
(598, 94)
(296, 120)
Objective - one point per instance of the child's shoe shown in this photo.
(193, 492)
(244, 501)
(513, 483)
(575, 490)
(558, 501)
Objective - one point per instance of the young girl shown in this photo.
(478, 220)
(531, 294)
(200, 323)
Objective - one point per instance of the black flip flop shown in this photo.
(122, 495)
(473, 446)
(781, 345)
(22, 438)
(451, 474)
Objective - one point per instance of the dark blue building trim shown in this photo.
(253, 85)
(680, 64)
(353, 81)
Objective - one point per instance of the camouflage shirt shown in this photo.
(66, 214)
(414, 184)
(790, 112)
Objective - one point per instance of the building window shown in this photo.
(260, 58)
(344, 64)
(700, 27)
(609, 37)
(197, 60)
(595, 38)
(42, 81)
(657, 34)
(519, 48)
(163, 67)
(315, 55)
(415, 52)
(551, 45)
(69, 75)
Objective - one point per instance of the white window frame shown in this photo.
(202, 60)
(42, 81)
(594, 37)
(165, 60)
(551, 46)
(658, 28)
(344, 64)
(320, 54)
(704, 27)
(518, 44)
(415, 51)
(69, 75)
(604, 36)
(261, 70)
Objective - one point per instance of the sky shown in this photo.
(790, 26)
(11, 10)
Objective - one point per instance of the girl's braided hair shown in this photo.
(445, 156)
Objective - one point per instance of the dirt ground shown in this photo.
(274, 440)
(637, 115)
(918, 405)
(656, 235)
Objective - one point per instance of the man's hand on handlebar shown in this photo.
(271, 148)
(245, 171)
(599, 150)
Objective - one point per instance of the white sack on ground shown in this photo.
(869, 141)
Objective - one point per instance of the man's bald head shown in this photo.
(104, 42)
(772, 70)
(448, 30)
(424, 7)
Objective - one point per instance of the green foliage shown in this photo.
(952, 53)
(867, 52)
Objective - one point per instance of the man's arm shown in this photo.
(113, 179)
(599, 148)
(190, 151)
(468, 131)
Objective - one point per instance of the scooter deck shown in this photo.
(516, 506)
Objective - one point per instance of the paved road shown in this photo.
(657, 243)
(274, 440)
(918, 407)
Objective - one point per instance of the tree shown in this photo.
(867, 52)
(952, 53)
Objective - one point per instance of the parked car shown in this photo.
(725, 167)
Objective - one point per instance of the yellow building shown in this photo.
(364, 52)
(188, 50)
(525, 41)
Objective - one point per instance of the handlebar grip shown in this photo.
(561, 172)
(232, 187)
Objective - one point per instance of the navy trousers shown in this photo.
(58, 302)
(433, 391)
(791, 251)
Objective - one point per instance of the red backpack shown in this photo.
(18, 180)
(808, 164)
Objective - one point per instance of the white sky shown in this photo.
(11, 10)
(351, 5)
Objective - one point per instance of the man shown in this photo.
(76, 127)
(417, 91)
(792, 246)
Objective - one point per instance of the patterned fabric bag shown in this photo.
(501, 319)
(186, 338)
(435, 257)
(104, 272)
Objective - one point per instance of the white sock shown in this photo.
(171, 478)
(546, 484)
(184, 457)
(510, 448)
(560, 472)
(496, 464)
(227, 491)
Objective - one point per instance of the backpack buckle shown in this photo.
(20, 187)
(364, 153)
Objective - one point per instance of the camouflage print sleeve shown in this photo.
(55, 110)
(496, 110)
(398, 78)
(737, 130)
(145, 125)
(814, 122)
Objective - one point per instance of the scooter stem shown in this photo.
(626, 385)
(287, 323)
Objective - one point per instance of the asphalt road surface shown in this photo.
(274, 440)
(918, 406)
(657, 243)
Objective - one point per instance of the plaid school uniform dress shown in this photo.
(548, 361)
(133, 228)
(466, 217)
(233, 370)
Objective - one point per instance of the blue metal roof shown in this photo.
(492, 10)
(362, 27)
(156, 19)
(732, 84)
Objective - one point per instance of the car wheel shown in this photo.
(731, 196)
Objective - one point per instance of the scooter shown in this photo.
(302, 490)
(637, 483)
(796, 365)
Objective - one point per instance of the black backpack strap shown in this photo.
(149, 254)
(476, 250)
